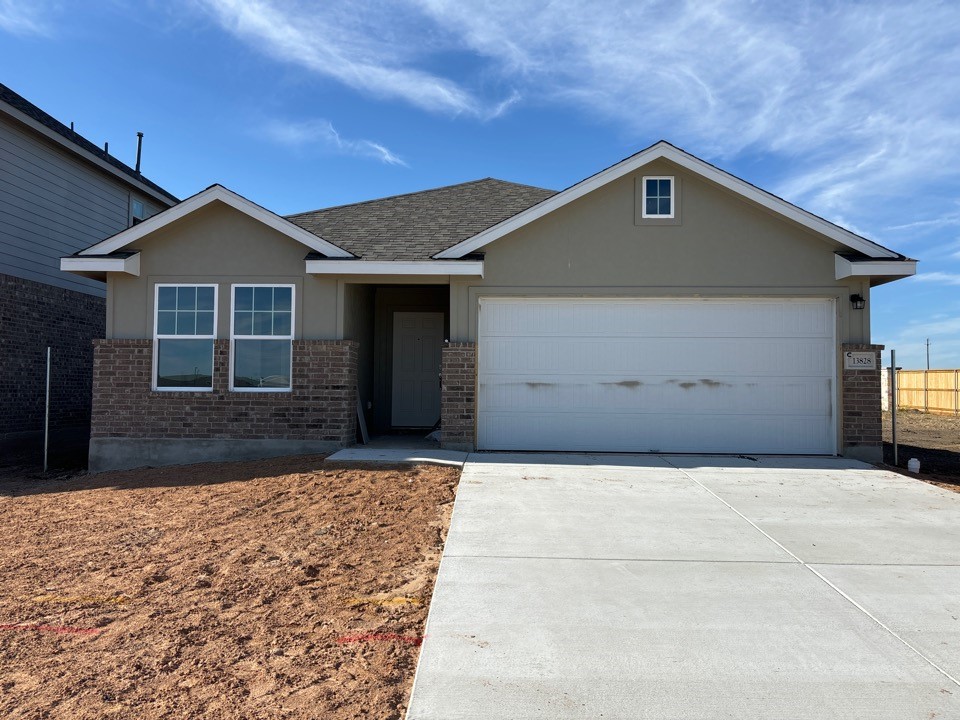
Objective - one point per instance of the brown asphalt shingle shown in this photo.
(418, 225)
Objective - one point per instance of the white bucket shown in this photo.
(913, 465)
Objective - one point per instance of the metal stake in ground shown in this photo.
(46, 416)
(893, 403)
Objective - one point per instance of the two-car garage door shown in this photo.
(677, 375)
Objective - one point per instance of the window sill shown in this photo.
(261, 390)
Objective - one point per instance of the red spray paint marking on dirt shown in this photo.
(59, 629)
(374, 637)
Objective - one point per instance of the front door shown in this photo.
(417, 339)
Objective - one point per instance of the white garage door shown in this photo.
(638, 375)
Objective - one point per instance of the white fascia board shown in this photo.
(129, 265)
(75, 149)
(693, 164)
(473, 268)
(228, 197)
(882, 268)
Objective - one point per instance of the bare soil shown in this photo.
(933, 439)
(272, 589)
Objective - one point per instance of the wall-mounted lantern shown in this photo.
(857, 301)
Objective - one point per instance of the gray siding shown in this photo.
(51, 205)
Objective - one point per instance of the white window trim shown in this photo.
(157, 337)
(673, 196)
(293, 332)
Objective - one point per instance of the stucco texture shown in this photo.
(217, 244)
(720, 245)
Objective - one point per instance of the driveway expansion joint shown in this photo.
(813, 570)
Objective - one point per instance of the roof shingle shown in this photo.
(418, 225)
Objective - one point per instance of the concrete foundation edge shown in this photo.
(864, 453)
(126, 453)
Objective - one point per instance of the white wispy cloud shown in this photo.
(857, 97)
(322, 132)
(939, 278)
(24, 18)
(349, 43)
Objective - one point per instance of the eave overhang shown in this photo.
(96, 267)
(879, 271)
(467, 268)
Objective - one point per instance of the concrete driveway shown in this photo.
(688, 587)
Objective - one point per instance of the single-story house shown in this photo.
(661, 305)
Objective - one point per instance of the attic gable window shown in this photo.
(137, 212)
(658, 197)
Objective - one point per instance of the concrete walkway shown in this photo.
(687, 588)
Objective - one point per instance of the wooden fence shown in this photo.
(932, 391)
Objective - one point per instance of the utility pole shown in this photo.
(928, 353)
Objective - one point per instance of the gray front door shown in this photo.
(417, 339)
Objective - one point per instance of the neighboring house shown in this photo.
(659, 305)
(58, 193)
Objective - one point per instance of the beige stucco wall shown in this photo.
(721, 246)
(218, 244)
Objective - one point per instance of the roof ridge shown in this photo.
(415, 192)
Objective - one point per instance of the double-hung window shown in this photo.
(261, 338)
(658, 197)
(185, 325)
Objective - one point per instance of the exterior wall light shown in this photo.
(858, 302)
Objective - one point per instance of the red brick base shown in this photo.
(862, 424)
(458, 395)
(321, 406)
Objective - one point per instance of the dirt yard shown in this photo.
(933, 439)
(270, 589)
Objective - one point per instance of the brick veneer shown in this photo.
(322, 405)
(458, 395)
(862, 429)
(34, 316)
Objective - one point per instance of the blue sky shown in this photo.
(849, 109)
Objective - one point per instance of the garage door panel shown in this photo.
(708, 375)
(665, 355)
(602, 318)
(564, 393)
(658, 433)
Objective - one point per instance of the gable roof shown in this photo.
(26, 112)
(417, 225)
(664, 150)
(214, 193)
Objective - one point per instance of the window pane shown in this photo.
(187, 323)
(664, 206)
(263, 298)
(166, 322)
(664, 188)
(281, 298)
(281, 323)
(261, 363)
(262, 323)
(204, 323)
(243, 323)
(185, 363)
(205, 298)
(243, 298)
(651, 206)
(651, 188)
(166, 298)
(186, 298)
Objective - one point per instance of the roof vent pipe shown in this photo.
(106, 148)
(139, 150)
